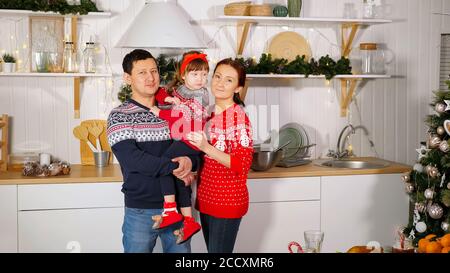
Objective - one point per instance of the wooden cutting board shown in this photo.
(87, 157)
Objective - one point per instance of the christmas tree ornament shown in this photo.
(440, 107)
(435, 211)
(440, 130)
(448, 186)
(442, 181)
(423, 151)
(421, 207)
(447, 102)
(418, 167)
(447, 126)
(409, 188)
(434, 141)
(434, 172)
(421, 227)
(429, 194)
(444, 147)
(444, 226)
(406, 178)
(428, 169)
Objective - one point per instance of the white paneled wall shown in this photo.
(392, 110)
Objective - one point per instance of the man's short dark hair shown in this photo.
(134, 56)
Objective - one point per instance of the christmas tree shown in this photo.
(428, 184)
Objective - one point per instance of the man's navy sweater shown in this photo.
(138, 140)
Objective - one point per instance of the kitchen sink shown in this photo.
(352, 163)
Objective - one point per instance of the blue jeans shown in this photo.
(219, 233)
(140, 237)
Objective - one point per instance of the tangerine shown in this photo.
(423, 245)
(433, 247)
(430, 236)
(446, 250)
(445, 240)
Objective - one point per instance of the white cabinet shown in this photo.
(362, 208)
(73, 230)
(8, 219)
(70, 218)
(280, 210)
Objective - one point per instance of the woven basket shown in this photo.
(237, 9)
(261, 10)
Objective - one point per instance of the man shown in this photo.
(138, 140)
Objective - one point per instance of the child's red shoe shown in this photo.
(189, 228)
(169, 216)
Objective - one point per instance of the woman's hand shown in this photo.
(199, 140)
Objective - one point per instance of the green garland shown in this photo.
(325, 66)
(167, 69)
(59, 6)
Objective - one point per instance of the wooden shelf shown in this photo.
(293, 76)
(13, 12)
(281, 20)
(348, 84)
(58, 75)
(77, 77)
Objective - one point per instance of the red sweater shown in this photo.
(222, 192)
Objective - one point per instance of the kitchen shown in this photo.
(44, 111)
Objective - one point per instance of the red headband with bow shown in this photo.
(189, 58)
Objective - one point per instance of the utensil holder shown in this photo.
(101, 159)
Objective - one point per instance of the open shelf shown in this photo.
(294, 76)
(61, 75)
(278, 20)
(14, 12)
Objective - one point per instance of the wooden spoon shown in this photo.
(96, 131)
(82, 134)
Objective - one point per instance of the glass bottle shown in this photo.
(70, 58)
(90, 65)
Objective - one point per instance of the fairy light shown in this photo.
(327, 83)
(24, 46)
(12, 37)
(285, 28)
(110, 83)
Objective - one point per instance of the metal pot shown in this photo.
(264, 160)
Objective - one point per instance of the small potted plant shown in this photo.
(9, 63)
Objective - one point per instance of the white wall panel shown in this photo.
(392, 110)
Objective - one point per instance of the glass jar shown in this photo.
(368, 56)
(70, 58)
(369, 9)
(90, 65)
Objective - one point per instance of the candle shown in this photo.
(44, 159)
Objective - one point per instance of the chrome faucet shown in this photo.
(341, 152)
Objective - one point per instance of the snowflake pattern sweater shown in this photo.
(139, 139)
(222, 192)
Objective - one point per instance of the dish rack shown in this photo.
(4, 128)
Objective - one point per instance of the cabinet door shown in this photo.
(8, 219)
(362, 208)
(76, 230)
(280, 210)
(269, 227)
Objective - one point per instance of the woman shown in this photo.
(222, 195)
